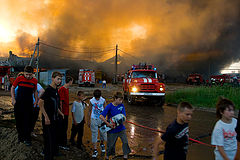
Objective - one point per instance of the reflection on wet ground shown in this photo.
(141, 140)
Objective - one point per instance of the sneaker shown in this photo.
(72, 142)
(64, 148)
(27, 143)
(102, 148)
(95, 153)
(58, 154)
(42, 153)
(34, 135)
(20, 141)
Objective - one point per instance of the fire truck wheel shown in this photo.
(190, 82)
(125, 96)
(130, 99)
(162, 101)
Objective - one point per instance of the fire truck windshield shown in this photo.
(144, 74)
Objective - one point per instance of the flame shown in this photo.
(149, 29)
(6, 35)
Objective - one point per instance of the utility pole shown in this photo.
(116, 67)
(37, 60)
(33, 54)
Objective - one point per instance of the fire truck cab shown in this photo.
(86, 77)
(141, 83)
(220, 79)
(195, 79)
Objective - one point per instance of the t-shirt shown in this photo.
(238, 127)
(78, 111)
(26, 88)
(97, 107)
(51, 103)
(39, 87)
(176, 138)
(224, 134)
(64, 97)
(110, 111)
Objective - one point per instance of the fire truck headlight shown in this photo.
(134, 89)
(161, 89)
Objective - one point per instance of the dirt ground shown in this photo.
(10, 149)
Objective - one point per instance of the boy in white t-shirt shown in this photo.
(224, 135)
(78, 119)
(97, 105)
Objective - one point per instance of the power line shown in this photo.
(129, 54)
(65, 57)
(73, 51)
(86, 47)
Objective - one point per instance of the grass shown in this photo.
(204, 96)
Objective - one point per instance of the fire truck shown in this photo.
(141, 83)
(6, 70)
(86, 77)
(220, 79)
(195, 79)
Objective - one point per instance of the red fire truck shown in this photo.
(6, 70)
(86, 77)
(220, 79)
(141, 83)
(195, 79)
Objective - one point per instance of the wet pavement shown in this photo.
(141, 140)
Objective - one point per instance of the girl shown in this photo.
(224, 135)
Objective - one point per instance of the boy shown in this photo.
(64, 105)
(78, 119)
(23, 104)
(176, 135)
(49, 104)
(36, 108)
(97, 105)
(112, 109)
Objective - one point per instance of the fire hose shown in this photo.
(161, 131)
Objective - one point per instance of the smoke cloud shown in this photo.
(179, 37)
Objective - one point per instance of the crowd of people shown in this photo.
(28, 97)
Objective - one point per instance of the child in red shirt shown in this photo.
(64, 106)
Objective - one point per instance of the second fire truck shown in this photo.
(86, 77)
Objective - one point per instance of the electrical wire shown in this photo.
(73, 51)
(130, 55)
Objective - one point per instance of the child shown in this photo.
(176, 135)
(64, 105)
(224, 135)
(23, 104)
(237, 129)
(78, 119)
(112, 109)
(49, 104)
(97, 105)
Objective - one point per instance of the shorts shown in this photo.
(231, 154)
(95, 123)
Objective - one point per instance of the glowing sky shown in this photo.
(169, 32)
